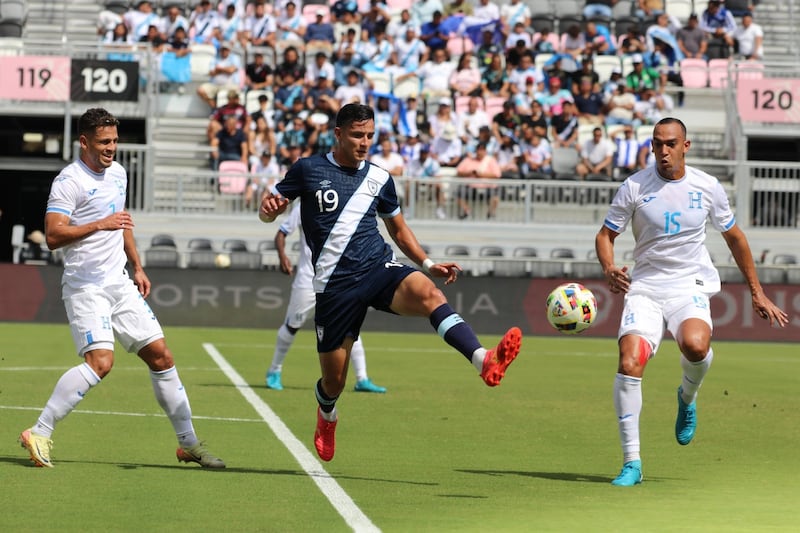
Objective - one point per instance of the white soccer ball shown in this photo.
(222, 261)
(571, 308)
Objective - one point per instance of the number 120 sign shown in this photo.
(38, 78)
(769, 100)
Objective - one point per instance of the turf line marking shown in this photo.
(120, 413)
(339, 499)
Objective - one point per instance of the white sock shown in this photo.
(359, 360)
(282, 344)
(67, 394)
(693, 374)
(628, 405)
(477, 358)
(173, 400)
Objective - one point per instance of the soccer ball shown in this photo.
(571, 308)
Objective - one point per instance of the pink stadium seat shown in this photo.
(310, 13)
(232, 177)
(718, 73)
(751, 70)
(399, 5)
(494, 105)
(694, 73)
(458, 45)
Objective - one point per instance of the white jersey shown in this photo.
(86, 196)
(304, 277)
(669, 227)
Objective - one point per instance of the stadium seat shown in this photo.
(694, 72)
(162, 239)
(562, 253)
(623, 25)
(718, 73)
(750, 70)
(623, 8)
(161, 256)
(199, 243)
(459, 45)
(13, 16)
(232, 177)
(200, 61)
(251, 99)
(234, 245)
(784, 259)
(604, 65)
(562, 8)
(494, 105)
(309, 13)
(243, 260)
(406, 88)
(462, 103)
(542, 21)
(564, 162)
(680, 9)
(380, 82)
(201, 253)
(456, 250)
(542, 58)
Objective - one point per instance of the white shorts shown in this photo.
(301, 303)
(98, 314)
(648, 317)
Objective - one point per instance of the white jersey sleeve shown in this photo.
(304, 277)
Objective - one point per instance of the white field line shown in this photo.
(122, 413)
(339, 499)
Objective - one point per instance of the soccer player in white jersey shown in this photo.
(301, 302)
(342, 195)
(667, 206)
(86, 217)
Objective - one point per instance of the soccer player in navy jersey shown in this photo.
(341, 195)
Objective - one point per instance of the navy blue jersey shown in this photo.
(339, 210)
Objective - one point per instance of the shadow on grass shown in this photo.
(556, 476)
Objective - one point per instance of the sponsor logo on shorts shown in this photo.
(320, 332)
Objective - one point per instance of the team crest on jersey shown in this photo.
(320, 332)
(373, 187)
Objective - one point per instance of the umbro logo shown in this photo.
(325, 183)
(648, 199)
(91, 192)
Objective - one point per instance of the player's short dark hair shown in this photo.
(672, 120)
(94, 118)
(353, 113)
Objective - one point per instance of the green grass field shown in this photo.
(439, 452)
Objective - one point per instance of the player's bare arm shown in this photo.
(617, 277)
(59, 232)
(140, 279)
(407, 242)
(763, 306)
(280, 246)
(272, 205)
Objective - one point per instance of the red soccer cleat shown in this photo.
(325, 437)
(497, 360)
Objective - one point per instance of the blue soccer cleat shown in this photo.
(631, 474)
(274, 381)
(686, 422)
(365, 385)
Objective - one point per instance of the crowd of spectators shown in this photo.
(500, 106)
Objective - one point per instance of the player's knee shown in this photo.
(100, 361)
(157, 356)
(695, 347)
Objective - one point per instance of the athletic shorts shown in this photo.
(98, 314)
(340, 314)
(301, 302)
(649, 317)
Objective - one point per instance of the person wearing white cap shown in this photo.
(443, 116)
(224, 75)
(319, 34)
(260, 29)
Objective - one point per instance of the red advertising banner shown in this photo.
(35, 78)
(769, 100)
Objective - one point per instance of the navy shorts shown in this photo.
(340, 314)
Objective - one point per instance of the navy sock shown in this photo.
(326, 403)
(455, 332)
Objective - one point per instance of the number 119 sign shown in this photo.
(38, 78)
(769, 100)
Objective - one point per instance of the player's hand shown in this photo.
(286, 266)
(450, 271)
(618, 279)
(272, 205)
(120, 220)
(767, 310)
(142, 282)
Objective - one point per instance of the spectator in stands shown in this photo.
(320, 97)
(526, 69)
(107, 20)
(494, 79)
(444, 116)
(435, 75)
(513, 13)
(424, 11)
(229, 144)
(633, 42)
(290, 25)
(260, 29)
(620, 106)
(537, 119)
(433, 33)
(315, 69)
(347, 31)
(410, 118)
(546, 41)
(396, 28)
(740, 8)
(652, 106)
(376, 18)
(340, 9)
(153, 37)
(322, 138)
(646, 9)
(231, 25)
(488, 48)
(347, 62)
(350, 39)
(692, 41)
(267, 172)
(486, 138)
(388, 158)
(749, 39)
(410, 49)
(589, 103)
(523, 100)
(514, 55)
(642, 76)
(258, 74)
(385, 119)
(351, 91)
(586, 71)
(139, 19)
(204, 24)
(646, 156)
(223, 73)
(485, 11)
(472, 120)
(610, 86)
(426, 167)
(295, 134)
(291, 64)
(287, 96)
(564, 127)
(171, 21)
(537, 155)
(663, 30)
(261, 140)
(459, 7)
(447, 148)
(573, 42)
(519, 33)
(465, 80)
(506, 122)
(719, 24)
(509, 157)
(478, 165)
(382, 52)
(597, 155)
(668, 68)
(553, 99)
(120, 42)
(410, 148)
(231, 108)
(598, 40)
(599, 8)
(319, 34)
(626, 156)
(264, 111)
